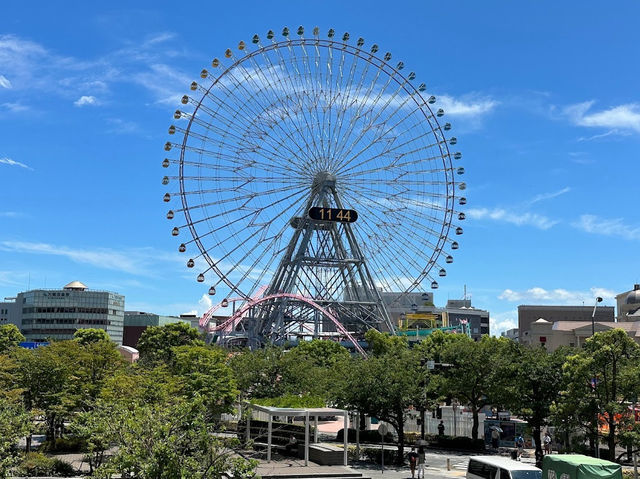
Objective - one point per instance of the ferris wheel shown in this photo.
(319, 167)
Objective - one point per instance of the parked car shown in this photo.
(498, 467)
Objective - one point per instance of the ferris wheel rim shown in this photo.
(398, 78)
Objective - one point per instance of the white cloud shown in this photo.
(519, 219)
(607, 227)
(548, 196)
(10, 214)
(500, 322)
(15, 107)
(10, 162)
(4, 82)
(556, 296)
(86, 100)
(204, 304)
(466, 106)
(624, 117)
(136, 262)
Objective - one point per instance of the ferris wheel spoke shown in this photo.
(374, 123)
(298, 93)
(250, 112)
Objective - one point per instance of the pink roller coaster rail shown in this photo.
(232, 322)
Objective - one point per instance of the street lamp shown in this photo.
(593, 315)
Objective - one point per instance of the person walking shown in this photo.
(441, 429)
(421, 462)
(413, 461)
(547, 443)
(520, 446)
(495, 438)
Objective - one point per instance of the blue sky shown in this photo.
(543, 97)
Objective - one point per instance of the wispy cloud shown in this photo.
(21, 62)
(621, 117)
(516, 218)
(85, 100)
(466, 105)
(607, 227)
(4, 82)
(10, 162)
(139, 261)
(548, 196)
(15, 107)
(10, 214)
(556, 296)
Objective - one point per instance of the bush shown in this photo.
(373, 454)
(365, 436)
(37, 464)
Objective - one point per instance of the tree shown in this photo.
(310, 369)
(529, 386)
(10, 337)
(476, 367)
(90, 335)
(603, 380)
(15, 423)
(163, 440)
(157, 342)
(385, 385)
(203, 371)
(259, 373)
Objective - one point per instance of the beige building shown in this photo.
(572, 333)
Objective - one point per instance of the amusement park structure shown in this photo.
(312, 173)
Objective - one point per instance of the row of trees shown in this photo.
(156, 419)
(162, 413)
(570, 389)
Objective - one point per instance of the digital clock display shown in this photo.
(333, 214)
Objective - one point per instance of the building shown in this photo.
(460, 311)
(135, 322)
(56, 314)
(573, 333)
(417, 311)
(528, 314)
(628, 304)
(511, 334)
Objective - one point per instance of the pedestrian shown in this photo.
(495, 438)
(421, 461)
(520, 446)
(291, 445)
(413, 461)
(441, 429)
(547, 443)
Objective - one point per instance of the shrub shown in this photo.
(37, 464)
(373, 454)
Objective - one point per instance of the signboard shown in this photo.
(333, 214)
(32, 344)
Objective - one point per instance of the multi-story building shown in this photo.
(528, 314)
(43, 314)
(135, 322)
(460, 311)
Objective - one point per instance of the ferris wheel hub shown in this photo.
(323, 178)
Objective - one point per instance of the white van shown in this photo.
(497, 467)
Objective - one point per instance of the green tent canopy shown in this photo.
(577, 466)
